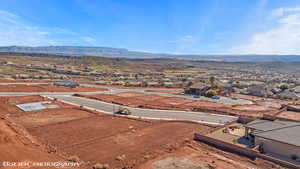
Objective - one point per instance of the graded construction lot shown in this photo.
(104, 141)
(170, 91)
(80, 131)
(199, 117)
(45, 88)
(200, 156)
(154, 101)
(8, 104)
(57, 133)
(258, 109)
(50, 116)
(96, 137)
(17, 147)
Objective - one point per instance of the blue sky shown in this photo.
(164, 26)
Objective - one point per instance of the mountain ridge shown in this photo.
(125, 53)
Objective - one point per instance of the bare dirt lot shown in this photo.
(252, 108)
(137, 87)
(173, 91)
(132, 147)
(50, 116)
(99, 138)
(8, 104)
(16, 146)
(45, 88)
(289, 115)
(76, 132)
(199, 156)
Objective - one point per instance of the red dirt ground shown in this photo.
(175, 91)
(201, 153)
(4, 80)
(135, 144)
(136, 87)
(45, 88)
(289, 115)
(8, 104)
(84, 130)
(100, 138)
(16, 147)
(135, 99)
(252, 107)
(50, 116)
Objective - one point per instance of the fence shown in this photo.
(226, 146)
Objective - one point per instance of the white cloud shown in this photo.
(8, 17)
(88, 39)
(187, 38)
(284, 38)
(14, 30)
(281, 11)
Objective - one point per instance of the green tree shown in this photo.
(211, 93)
(212, 80)
(189, 84)
(283, 87)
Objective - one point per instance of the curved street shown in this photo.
(109, 108)
(200, 117)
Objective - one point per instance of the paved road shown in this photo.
(222, 100)
(45, 93)
(109, 108)
(100, 106)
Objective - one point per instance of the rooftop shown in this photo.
(267, 125)
(278, 130)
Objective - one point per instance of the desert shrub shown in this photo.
(73, 159)
(211, 93)
(294, 157)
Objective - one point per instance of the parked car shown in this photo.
(196, 96)
(123, 111)
(215, 97)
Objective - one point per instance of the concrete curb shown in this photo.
(132, 116)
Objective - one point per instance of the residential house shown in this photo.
(288, 95)
(277, 138)
(197, 89)
(260, 90)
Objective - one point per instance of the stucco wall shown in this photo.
(273, 147)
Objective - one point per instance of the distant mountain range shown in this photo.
(124, 53)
